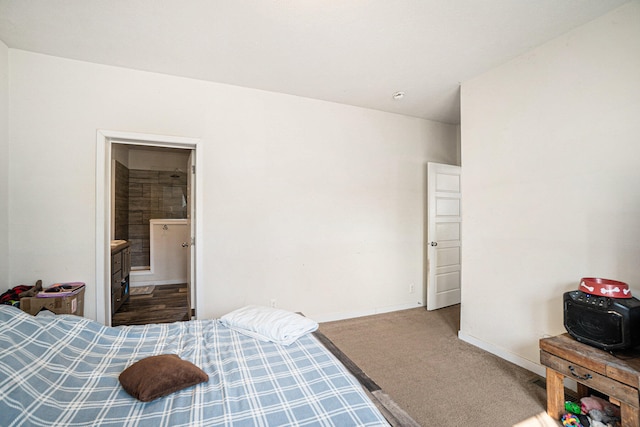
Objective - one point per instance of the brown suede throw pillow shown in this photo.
(157, 376)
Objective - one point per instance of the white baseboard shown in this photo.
(331, 317)
(504, 354)
(141, 272)
(138, 283)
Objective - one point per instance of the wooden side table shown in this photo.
(591, 368)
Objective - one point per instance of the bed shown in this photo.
(64, 370)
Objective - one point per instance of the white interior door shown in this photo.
(443, 235)
(191, 219)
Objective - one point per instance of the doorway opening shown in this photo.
(146, 204)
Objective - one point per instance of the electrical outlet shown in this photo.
(272, 303)
(411, 288)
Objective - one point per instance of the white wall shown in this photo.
(551, 180)
(169, 258)
(4, 169)
(318, 205)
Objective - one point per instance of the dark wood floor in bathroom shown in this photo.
(166, 304)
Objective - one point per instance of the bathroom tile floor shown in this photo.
(166, 304)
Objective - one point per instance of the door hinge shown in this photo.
(193, 169)
(193, 241)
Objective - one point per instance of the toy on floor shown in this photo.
(587, 404)
(571, 420)
(572, 407)
(601, 416)
(33, 291)
(600, 410)
(13, 295)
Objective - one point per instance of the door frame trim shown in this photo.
(104, 140)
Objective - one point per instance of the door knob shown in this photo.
(185, 245)
(434, 243)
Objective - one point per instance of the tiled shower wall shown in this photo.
(121, 189)
(151, 195)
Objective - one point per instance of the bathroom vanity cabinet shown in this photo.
(120, 269)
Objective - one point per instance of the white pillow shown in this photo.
(269, 324)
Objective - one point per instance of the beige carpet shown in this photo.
(416, 358)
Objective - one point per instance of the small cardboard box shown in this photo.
(72, 304)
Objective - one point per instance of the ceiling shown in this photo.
(356, 52)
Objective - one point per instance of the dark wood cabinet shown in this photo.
(120, 269)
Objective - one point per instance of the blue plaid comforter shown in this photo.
(63, 371)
